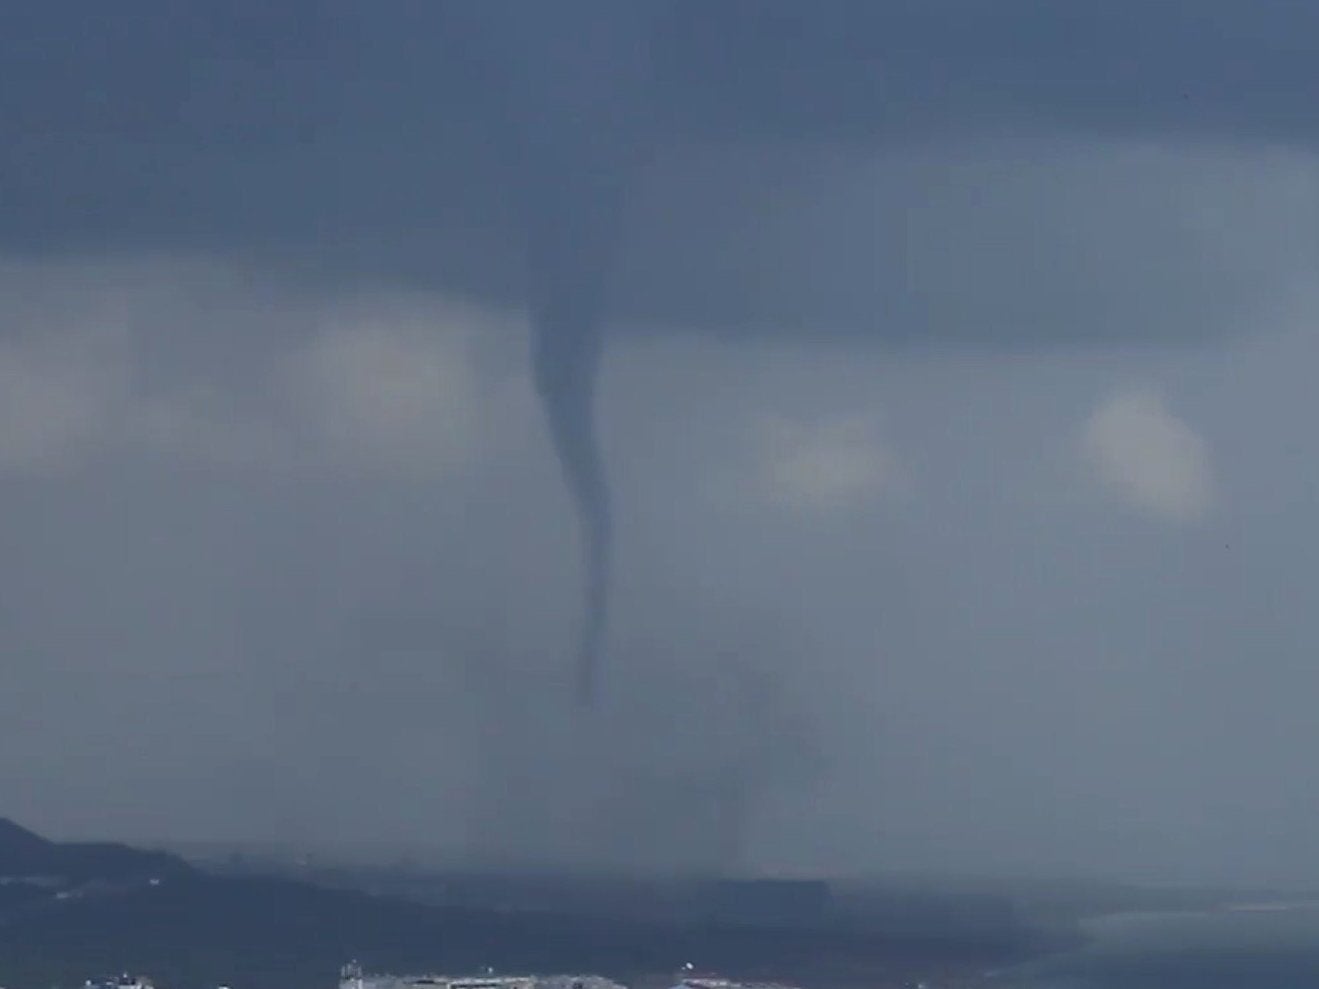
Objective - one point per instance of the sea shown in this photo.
(1251, 946)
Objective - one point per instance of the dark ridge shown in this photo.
(26, 855)
(188, 928)
(19, 845)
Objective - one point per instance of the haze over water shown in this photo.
(1266, 948)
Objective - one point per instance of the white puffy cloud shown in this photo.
(1148, 457)
(826, 465)
(388, 394)
(392, 382)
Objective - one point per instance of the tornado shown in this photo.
(567, 266)
(576, 78)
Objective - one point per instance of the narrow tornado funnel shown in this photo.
(577, 73)
(567, 261)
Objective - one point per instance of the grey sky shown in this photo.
(970, 475)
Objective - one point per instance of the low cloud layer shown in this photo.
(386, 384)
(274, 537)
(823, 467)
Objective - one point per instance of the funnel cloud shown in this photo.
(576, 91)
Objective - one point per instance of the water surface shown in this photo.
(1263, 946)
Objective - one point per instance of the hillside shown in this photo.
(26, 855)
(191, 929)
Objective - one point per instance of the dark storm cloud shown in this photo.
(380, 139)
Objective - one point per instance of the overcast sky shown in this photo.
(963, 485)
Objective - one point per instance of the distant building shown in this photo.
(124, 981)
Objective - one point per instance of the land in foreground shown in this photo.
(68, 912)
